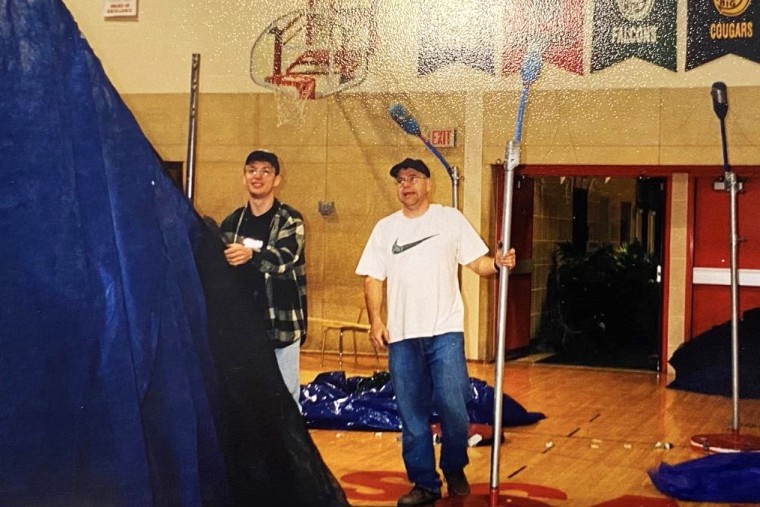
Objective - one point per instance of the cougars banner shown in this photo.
(457, 33)
(644, 29)
(721, 27)
(555, 25)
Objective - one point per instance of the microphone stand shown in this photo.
(733, 442)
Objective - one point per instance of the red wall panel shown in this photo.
(711, 303)
(521, 239)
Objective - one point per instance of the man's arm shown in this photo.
(487, 265)
(373, 296)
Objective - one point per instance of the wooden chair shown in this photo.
(343, 326)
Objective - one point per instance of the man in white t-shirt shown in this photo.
(416, 252)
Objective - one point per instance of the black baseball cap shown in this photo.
(264, 156)
(410, 163)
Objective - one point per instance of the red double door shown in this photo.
(520, 279)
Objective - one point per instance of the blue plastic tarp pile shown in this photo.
(731, 477)
(703, 364)
(332, 401)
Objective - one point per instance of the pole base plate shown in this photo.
(485, 501)
(714, 443)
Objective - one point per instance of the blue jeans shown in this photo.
(430, 374)
(288, 359)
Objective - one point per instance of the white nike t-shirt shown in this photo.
(419, 258)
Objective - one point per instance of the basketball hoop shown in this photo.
(314, 53)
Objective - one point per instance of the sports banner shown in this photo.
(460, 32)
(624, 29)
(720, 27)
(555, 26)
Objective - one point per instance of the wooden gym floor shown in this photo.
(600, 436)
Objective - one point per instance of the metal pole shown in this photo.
(529, 73)
(511, 163)
(731, 185)
(192, 132)
(454, 174)
(734, 442)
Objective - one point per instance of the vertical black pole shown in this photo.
(192, 132)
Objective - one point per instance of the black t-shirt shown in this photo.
(256, 227)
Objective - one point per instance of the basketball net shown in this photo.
(291, 109)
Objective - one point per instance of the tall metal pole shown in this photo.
(720, 105)
(529, 73)
(192, 128)
(732, 184)
(734, 441)
(511, 163)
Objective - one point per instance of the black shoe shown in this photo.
(456, 483)
(419, 496)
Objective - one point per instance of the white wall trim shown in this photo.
(722, 276)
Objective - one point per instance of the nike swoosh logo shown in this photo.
(397, 249)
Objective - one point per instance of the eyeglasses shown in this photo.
(400, 180)
(256, 171)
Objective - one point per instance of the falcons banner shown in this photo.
(457, 35)
(720, 27)
(555, 25)
(644, 29)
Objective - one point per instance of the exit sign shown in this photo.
(443, 138)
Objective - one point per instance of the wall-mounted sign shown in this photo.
(119, 8)
(443, 138)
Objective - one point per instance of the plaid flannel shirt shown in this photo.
(283, 264)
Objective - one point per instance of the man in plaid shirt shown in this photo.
(267, 244)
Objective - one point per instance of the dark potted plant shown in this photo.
(602, 302)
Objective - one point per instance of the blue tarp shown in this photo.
(103, 356)
(703, 364)
(731, 477)
(332, 401)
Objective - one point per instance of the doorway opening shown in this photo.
(597, 261)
